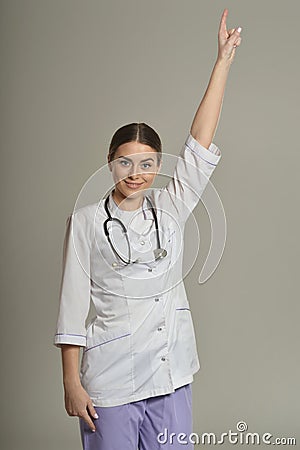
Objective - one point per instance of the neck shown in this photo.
(127, 203)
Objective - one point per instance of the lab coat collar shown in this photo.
(140, 227)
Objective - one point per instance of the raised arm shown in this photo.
(199, 155)
(207, 115)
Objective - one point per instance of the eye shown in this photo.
(124, 163)
(146, 165)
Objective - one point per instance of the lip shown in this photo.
(133, 185)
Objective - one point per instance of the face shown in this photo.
(133, 168)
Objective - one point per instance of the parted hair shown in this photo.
(137, 132)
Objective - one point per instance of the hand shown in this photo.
(78, 403)
(228, 40)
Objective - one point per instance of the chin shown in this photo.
(133, 192)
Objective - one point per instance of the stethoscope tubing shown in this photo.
(111, 219)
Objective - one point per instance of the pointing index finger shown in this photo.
(222, 28)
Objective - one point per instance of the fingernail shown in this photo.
(239, 29)
(96, 416)
(93, 431)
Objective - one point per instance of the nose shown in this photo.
(133, 177)
(133, 172)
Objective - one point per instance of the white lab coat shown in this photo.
(141, 343)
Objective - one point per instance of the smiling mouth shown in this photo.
(133, 185)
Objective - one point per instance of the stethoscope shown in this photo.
(159, 252)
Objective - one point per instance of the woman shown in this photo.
(139, 352)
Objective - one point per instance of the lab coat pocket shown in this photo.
(186, 347)
(106, 360)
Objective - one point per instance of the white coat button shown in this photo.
(156, 299)
(163, 358)
(114, 264)
(142, 242)
(149, 270)
(159, 328)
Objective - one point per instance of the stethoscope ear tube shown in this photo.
(159, 252)
(115, 251)
(155, 220)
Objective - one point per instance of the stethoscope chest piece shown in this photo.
(160, 253)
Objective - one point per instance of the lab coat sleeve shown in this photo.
(74, 296)
(195, 165)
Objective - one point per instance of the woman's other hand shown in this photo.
(228, 40)
(78, 403)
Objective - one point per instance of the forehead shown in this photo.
(135, 148)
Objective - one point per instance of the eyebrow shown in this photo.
(143, 160)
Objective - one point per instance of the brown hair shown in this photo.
(137, 132)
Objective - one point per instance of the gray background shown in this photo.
(72, 72)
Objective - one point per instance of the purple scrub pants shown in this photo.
(145, 425)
